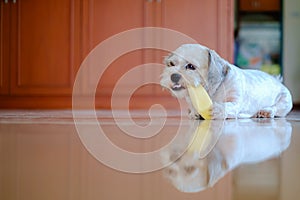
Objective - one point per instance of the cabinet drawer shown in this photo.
(259, 5)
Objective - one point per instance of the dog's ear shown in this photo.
(218, 68)
(216, 63)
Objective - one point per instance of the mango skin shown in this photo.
(200, 100)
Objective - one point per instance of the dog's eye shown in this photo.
(171, 64)
(190, 67)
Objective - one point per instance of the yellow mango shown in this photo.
(200, 100)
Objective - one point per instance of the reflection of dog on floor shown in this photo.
(235, 93)
(240, 142)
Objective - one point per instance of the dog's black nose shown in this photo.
(175, 77)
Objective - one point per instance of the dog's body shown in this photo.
(235, 93)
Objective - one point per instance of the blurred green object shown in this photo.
(273, 69)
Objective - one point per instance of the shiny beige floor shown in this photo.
(43, 156)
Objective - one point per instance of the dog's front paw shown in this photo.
(218, 111)
(265, 113)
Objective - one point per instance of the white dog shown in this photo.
(235, 93)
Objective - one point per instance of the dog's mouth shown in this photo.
(177, 87)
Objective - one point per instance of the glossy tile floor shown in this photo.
(48, 155)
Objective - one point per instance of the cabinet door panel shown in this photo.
(43, 49)
(106, 19)
(4, 48)
(195, 18)
(209, 22)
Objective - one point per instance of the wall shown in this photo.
(291, 47)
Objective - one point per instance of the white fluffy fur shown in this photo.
(235, 93)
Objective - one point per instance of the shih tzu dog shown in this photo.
(235, 93)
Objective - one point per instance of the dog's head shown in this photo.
(188, 174)
(192, 64)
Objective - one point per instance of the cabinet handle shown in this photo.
(14, 1)
(150, 1)
(255, 4)
(5, 1)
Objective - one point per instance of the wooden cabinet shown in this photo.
(44, 42)
(44, 47)
(209, 22)
(259, 5)
(39, 52)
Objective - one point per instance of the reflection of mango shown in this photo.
(200, 100)
(202, 139)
